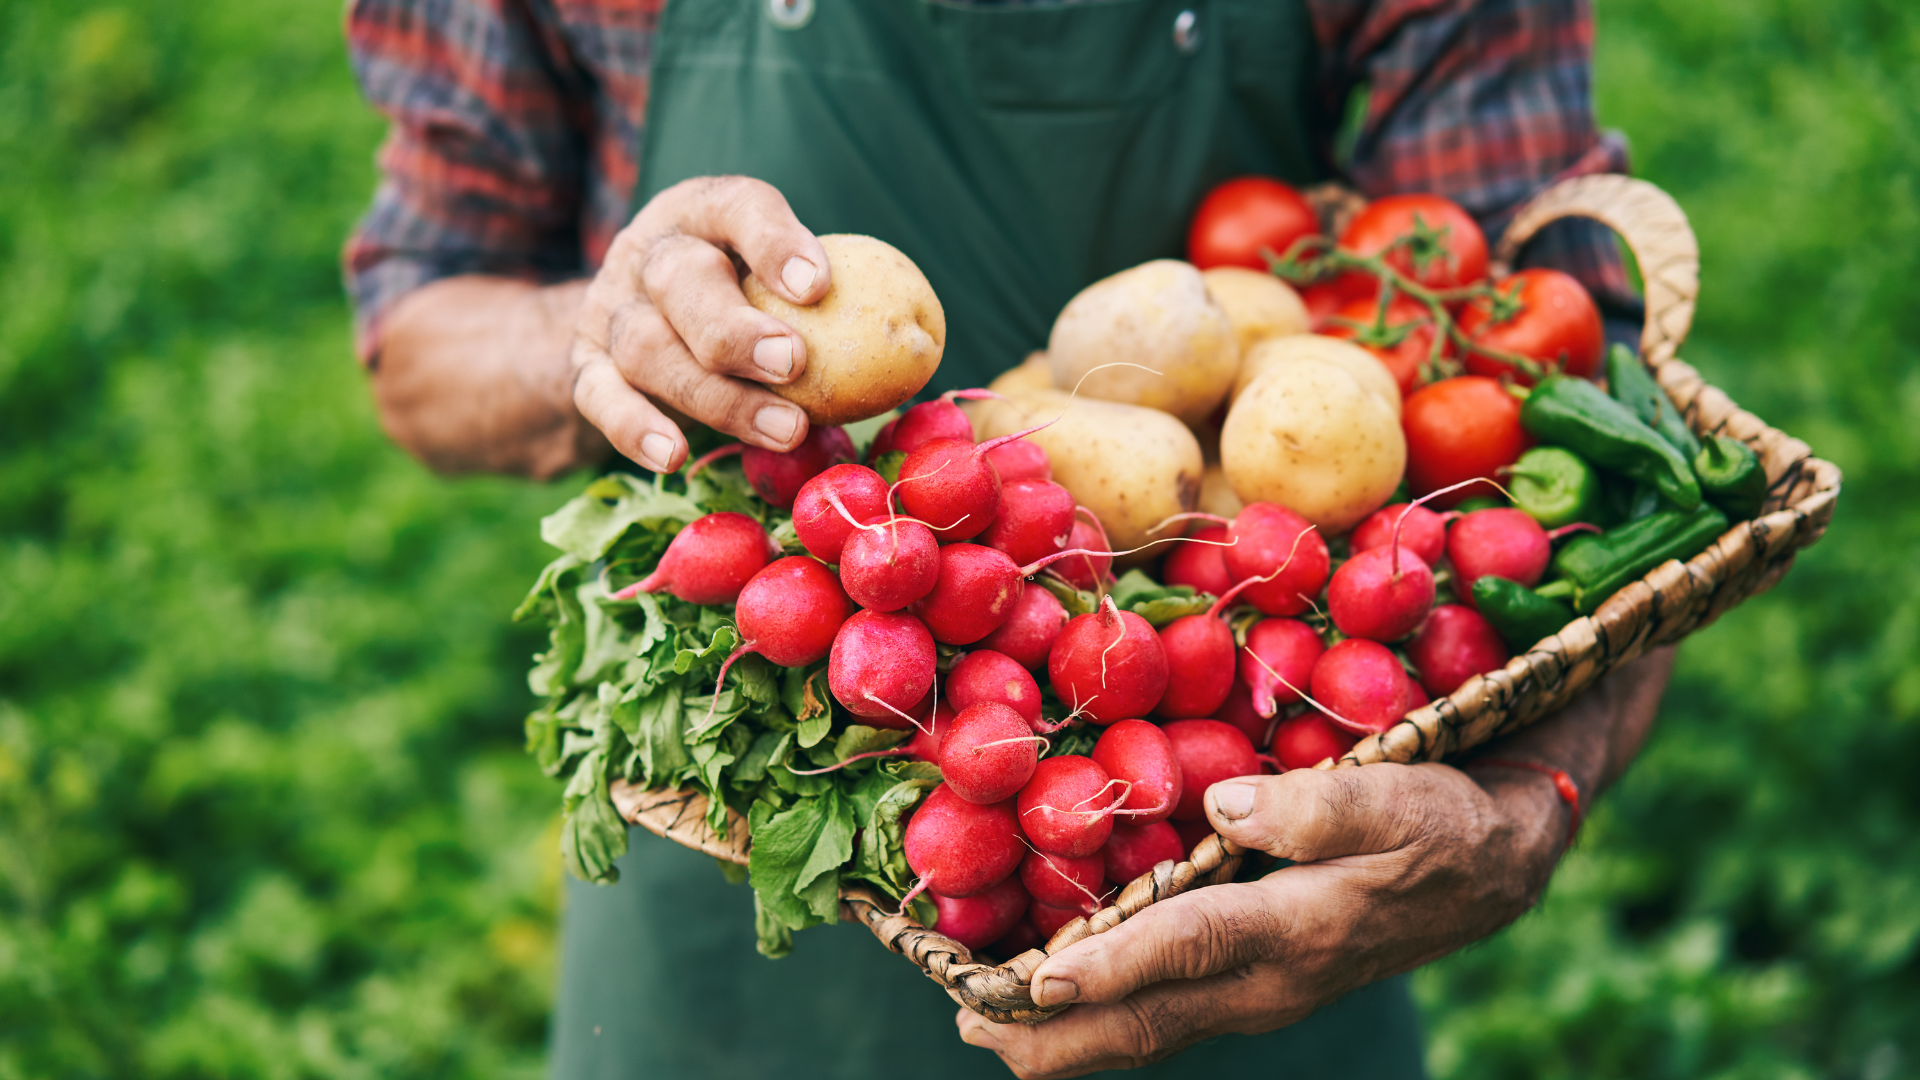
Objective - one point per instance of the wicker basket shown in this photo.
(1670, 602)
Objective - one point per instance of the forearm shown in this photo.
(474, 374)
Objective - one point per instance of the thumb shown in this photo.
(1307, 815)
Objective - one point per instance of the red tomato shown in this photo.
(1355, 322)
(1244, 215)
(1543, 315)
(1458, 429)
(1325, 298)
(1446, 248)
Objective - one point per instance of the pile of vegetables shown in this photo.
(902, 654)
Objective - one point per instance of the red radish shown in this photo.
(1068, 806)
(1200, 565)
(1239, 712)
(778, 477)
(988, 753)
(1424, 534)
(1304, 741)
(1034, 520)
(1022, 937)
(1362, 687)
(1020, 460)
(1208, 752)
(960, 848)
(1086, 572)
(977, 591)
(1030, 628)
(1063, 881)
(928, 734)
(1108, 665)
(1139, 754)
(1133, 850)
(1264, 537)
(709, 561)
(985, 675)
(1380, 595)
(950, 481)
(1278, 662)
(1455, 645)
(790, 612)
(1500, 541)
(1049, 920)
(882, 665)
(1200, 666)
(929, 420)
(882, 441)
(823, 529)
(984, 918)
(1192, 832)
(1416, 695)
(890, 562)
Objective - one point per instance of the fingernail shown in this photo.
(774, 355)
(655, 451)
(1055, 991)
(1231, 800)
(798, 275)
(777, 422)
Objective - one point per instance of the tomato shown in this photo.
(1324, 299)
(1445, 250)
(1458, 429)
(1244, 215)
(1405, 315)
(1543, 315)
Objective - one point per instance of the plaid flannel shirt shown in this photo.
(515, 124)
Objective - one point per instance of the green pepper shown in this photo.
(1731, 477)
(1632, 385)
(1591, 568)
(1572, 412)
(1480, 502)
(1555, 487)
(1523, 617)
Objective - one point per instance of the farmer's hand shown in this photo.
(1399, 865)
(665, 323)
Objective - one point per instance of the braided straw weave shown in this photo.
(1670, 602)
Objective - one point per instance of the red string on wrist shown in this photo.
(1563, 785)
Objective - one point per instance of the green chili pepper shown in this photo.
(1480, 502)
(1555, 487)
(1592, 568)
(1522, 616)
(1572, 412)
(1731, 477)
(1632, 385)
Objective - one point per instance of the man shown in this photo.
(518, 316)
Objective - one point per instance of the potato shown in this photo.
(1157, 315)
(1258, 305)
(1308, 436)
(1132, 466)
(872, 342)
(1357, 361)
(1216, 495)
(1034, 374)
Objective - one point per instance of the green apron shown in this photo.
(1016, 152)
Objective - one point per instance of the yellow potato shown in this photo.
(1034, 374)
(872, 342)
(1157, 316)
(1308, 436)
(1216, 495)
(1357, 361)
(1132, 466)
(1258, 305)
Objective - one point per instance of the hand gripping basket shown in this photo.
(1670, 602)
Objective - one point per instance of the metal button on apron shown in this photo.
(790, 14)
(1186, 31)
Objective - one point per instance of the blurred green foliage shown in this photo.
(262, 806)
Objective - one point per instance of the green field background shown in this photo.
(263, 811)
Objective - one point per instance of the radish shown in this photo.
(1191, 833)
(882, 665)
(1303, 741)
(1424, 533)
(1138, 753)
(1020, 460)
(930, 420)
(1200, 565)
(984, 918)
(960, 848)
(949, 480)
(778, 477)
(929, 733)
(1200, 667)
(1380, 594)
(977, 590)
(790, 612)
(1239, 711)
(889, 563)
(709, 561)
(1456, 644)
(1067, 807)
(1089, 572)
(1063, 881)
(988, 753)
(1022, 937)
(1034, 520)
(1361, 686)
(823, 529)
(1208, 752)
(1108, 665)
(1278, 662)
(985, 675)
(1263, 538)
(1133, 850)
(1030, 628)
(882, 441)
(1049, 920)
(1501, 541)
